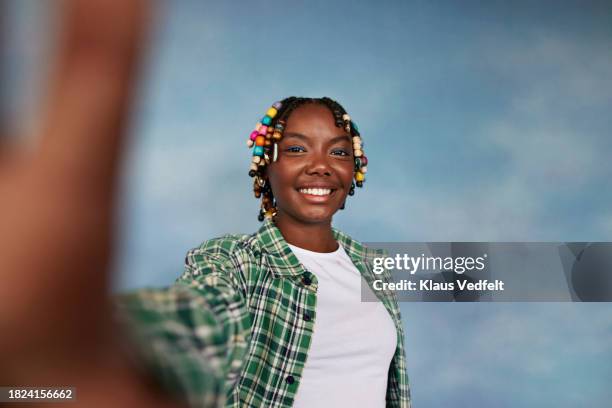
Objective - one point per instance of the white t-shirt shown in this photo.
(353, 342)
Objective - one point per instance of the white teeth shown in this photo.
(316, 191)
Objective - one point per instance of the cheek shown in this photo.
(346, 173)
(279, 180)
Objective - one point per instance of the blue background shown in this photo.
(485, 121)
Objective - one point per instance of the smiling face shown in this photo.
(313, 173)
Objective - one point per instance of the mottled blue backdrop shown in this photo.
(485, 121)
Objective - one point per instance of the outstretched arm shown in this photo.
(56, 213)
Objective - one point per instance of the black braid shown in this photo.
(292, 103)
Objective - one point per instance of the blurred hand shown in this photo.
(56, 213)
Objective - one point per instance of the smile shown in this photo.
(316, 191)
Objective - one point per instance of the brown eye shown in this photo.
(340, 152)
(295, 149)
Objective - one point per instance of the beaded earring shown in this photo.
(267, 134)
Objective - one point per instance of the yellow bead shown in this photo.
(358, 153)
(271, 112)
(359, 176)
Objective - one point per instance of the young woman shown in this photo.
(276, 317)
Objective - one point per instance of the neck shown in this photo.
(316, 237)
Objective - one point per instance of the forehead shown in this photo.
(312, 118)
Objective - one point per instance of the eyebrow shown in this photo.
(306, 138)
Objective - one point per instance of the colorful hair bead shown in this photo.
(263, 129)
(250, 143)
(359, 176)
(260, 141)
(253, 135)
(277, 105)
(272, 112)
(258, 151)
(266, 120)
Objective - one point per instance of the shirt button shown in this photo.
(306, 280)
(306, 317)
(289, 379)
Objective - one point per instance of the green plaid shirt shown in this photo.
(231, 332)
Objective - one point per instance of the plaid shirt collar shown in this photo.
(272, 242)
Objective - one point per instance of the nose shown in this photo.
(319, 165)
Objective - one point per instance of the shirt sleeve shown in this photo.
(192, 336)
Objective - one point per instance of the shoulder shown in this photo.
(220, 255)
(220, 246)
(219, 250)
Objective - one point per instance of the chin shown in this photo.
(317, 216)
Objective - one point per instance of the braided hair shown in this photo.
(268, 133)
